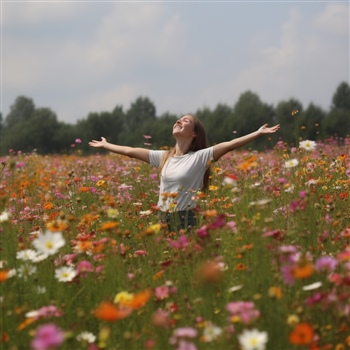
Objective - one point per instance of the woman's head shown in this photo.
(199, 140)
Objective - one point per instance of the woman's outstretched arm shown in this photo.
(224, 147)
(132, 152)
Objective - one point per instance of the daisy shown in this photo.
(65, 274)
(26, 254)
(211, 332)
(252, 339)
(26, 270)
(291, 163)
(86, 337)
(308, 145)
(49, 242)
(5, 216)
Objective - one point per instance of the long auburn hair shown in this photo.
(199, 142)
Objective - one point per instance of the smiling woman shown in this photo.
(184, 170)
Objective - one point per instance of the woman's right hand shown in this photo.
(98, 144)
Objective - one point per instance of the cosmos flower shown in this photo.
(308, 145)
(65, 273)
(253, 339)
(5, 216)
(47, 336)
(49, 242)
(86, 337)
(211, 332)
(291, 163)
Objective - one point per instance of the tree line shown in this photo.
(28, 128)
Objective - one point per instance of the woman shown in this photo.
(185, 169)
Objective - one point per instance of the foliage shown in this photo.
(27, 127)
(269, 259)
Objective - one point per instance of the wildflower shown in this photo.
(292, 320)
(47, 336)
(26, 270)
(106, 311)
(302, 334)
(235, 288)
(312, 286)
(326, 263)
(160, 318)
(211, 332)
(112, 213)
(48, 206)
(291, 163)
(65, 274)
(139, 300)
(153, 229)
(106, 226)
(86, 337)
(5, 216)
(83, 267)
(26, 254)
(308, 145)
(243, 311)
(100, 183)
(303, 270)
(252, 339)
(78, 141)
(6, 274)
(210, 272)
(45, 311)
(275, 292)
(49, 242)
(230, 180)
(122, 297)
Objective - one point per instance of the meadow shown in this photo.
(86, 265)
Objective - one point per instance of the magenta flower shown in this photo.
(202, 232)
(83, 267)
(181, 243)
(326, 263)
(161, 292)
(78, 141)
(47, 337)
(245, 311)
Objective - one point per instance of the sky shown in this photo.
(78, 57)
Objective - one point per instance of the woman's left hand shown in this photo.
(266, 130)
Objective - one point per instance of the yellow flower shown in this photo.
(123, 297)
(213, 188)
(100, 183)
(112, 213)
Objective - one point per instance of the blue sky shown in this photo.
(77, 57)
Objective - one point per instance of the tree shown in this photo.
(249, 113)
(20, 111)
(337, 121)
(288, 115)
(311, 120)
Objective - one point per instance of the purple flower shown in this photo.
(47, 336)
(326, 263)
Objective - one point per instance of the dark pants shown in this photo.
(184, 219)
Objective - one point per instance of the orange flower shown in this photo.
(4, 275)
(240, 267)
(106, 311)
(139, 299)
(84, 189)
(303, 271)
(248, 163)
(109, 225)
(57, 225)
(302, 334)
(26, 323)
(211, 213)
(48, 206)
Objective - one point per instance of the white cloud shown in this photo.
(335, 19)
(24, 13)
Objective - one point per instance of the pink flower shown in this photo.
(202, 232)
(84, 267)
(45, 311)
(245, 310)
(78, 141)
(181, 243)
(326, 263)
(161, 292)
(147, 137)
(47, 337)
(140, 252)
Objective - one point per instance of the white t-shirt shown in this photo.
(181, 178)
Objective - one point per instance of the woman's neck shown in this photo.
(182, 147)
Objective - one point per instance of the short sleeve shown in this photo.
(155, 157)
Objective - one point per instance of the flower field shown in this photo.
(86, 265)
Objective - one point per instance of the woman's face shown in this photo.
(184, 127)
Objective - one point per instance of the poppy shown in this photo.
(302, 334)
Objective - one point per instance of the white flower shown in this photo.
(86, 337)
(65, 273)
(235, 288)
(312, 286)
(26, 270)
(211, 332)
(291, 163)
(252, 339)
(308, 145)
(26, 254)
(49, 242)
(5, 216)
